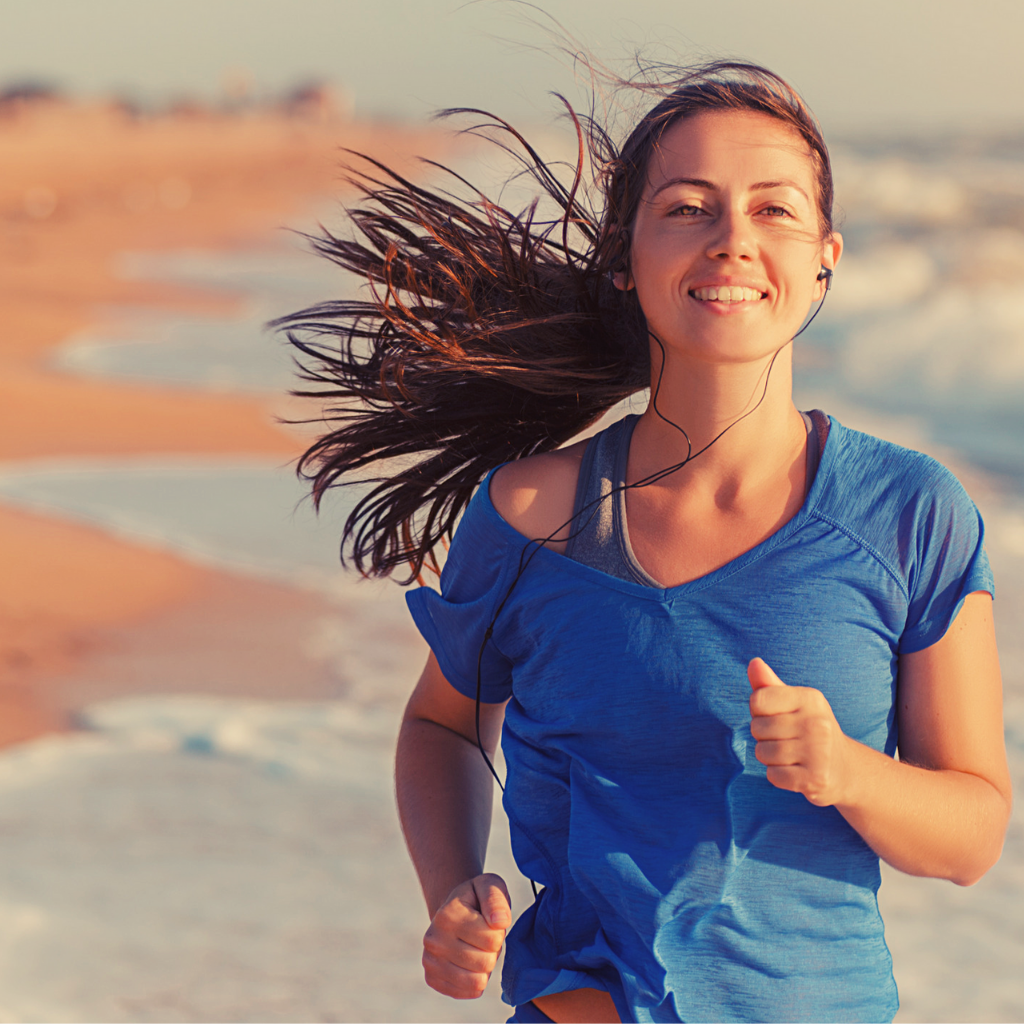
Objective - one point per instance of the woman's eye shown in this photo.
(776, 211)
(686, 210)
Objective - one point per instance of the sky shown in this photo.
(861, 64)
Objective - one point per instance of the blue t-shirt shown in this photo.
(675, 875)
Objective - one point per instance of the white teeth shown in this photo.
(726, 293)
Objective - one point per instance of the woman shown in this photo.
(730, 617)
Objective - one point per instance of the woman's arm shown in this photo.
(943, 808)
(444, 802)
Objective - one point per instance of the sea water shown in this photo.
(921, 338)
(926, 317)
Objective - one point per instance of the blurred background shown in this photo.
(197, 706)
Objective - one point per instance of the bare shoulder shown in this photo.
(536, 495)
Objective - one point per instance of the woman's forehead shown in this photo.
(731, 145)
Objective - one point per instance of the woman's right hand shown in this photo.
(465, 937)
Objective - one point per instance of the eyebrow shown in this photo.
(758, 186)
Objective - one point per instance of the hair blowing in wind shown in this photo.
(487, 334)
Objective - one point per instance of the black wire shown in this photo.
(652, 478)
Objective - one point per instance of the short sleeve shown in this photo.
(455, 622)
(944, 534)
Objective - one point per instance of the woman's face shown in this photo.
(726, 246)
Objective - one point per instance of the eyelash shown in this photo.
(679, 210)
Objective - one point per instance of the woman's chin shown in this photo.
(727, 343)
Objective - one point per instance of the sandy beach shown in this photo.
(82, 185)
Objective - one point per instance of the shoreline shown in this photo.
(83, 184)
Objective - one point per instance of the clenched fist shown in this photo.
(798, 737)
(464, 939)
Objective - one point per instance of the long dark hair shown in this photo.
(490, 334)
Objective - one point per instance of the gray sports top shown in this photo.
(602, 540)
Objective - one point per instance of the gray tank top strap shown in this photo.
(599, 538)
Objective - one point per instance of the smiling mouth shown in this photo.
(727, 294)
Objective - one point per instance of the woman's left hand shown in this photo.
(942, 809)
(798, 737)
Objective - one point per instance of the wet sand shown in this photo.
(83, 184)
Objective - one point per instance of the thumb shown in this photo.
(495, 902)
(760, 675)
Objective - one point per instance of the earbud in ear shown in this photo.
(621, 279)
(826, 276)
(619, 274)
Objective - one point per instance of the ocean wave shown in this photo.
(333, 740)
(246, 514)
(893, 188)
(960, 347)
(886, 277)
(203, 859)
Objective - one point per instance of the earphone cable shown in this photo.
(537, 543)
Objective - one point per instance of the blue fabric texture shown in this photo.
(674, 875)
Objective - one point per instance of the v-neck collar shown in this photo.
(556, 561)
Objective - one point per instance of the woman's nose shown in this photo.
(731, 237)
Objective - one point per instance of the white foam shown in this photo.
(964, 346)
(196, 858)
(883, 278)
(892, 188)
(249, 515)
(334, 740)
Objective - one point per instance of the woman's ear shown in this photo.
(831, 251)
(622, 279)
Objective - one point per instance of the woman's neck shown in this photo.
(751, 402)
